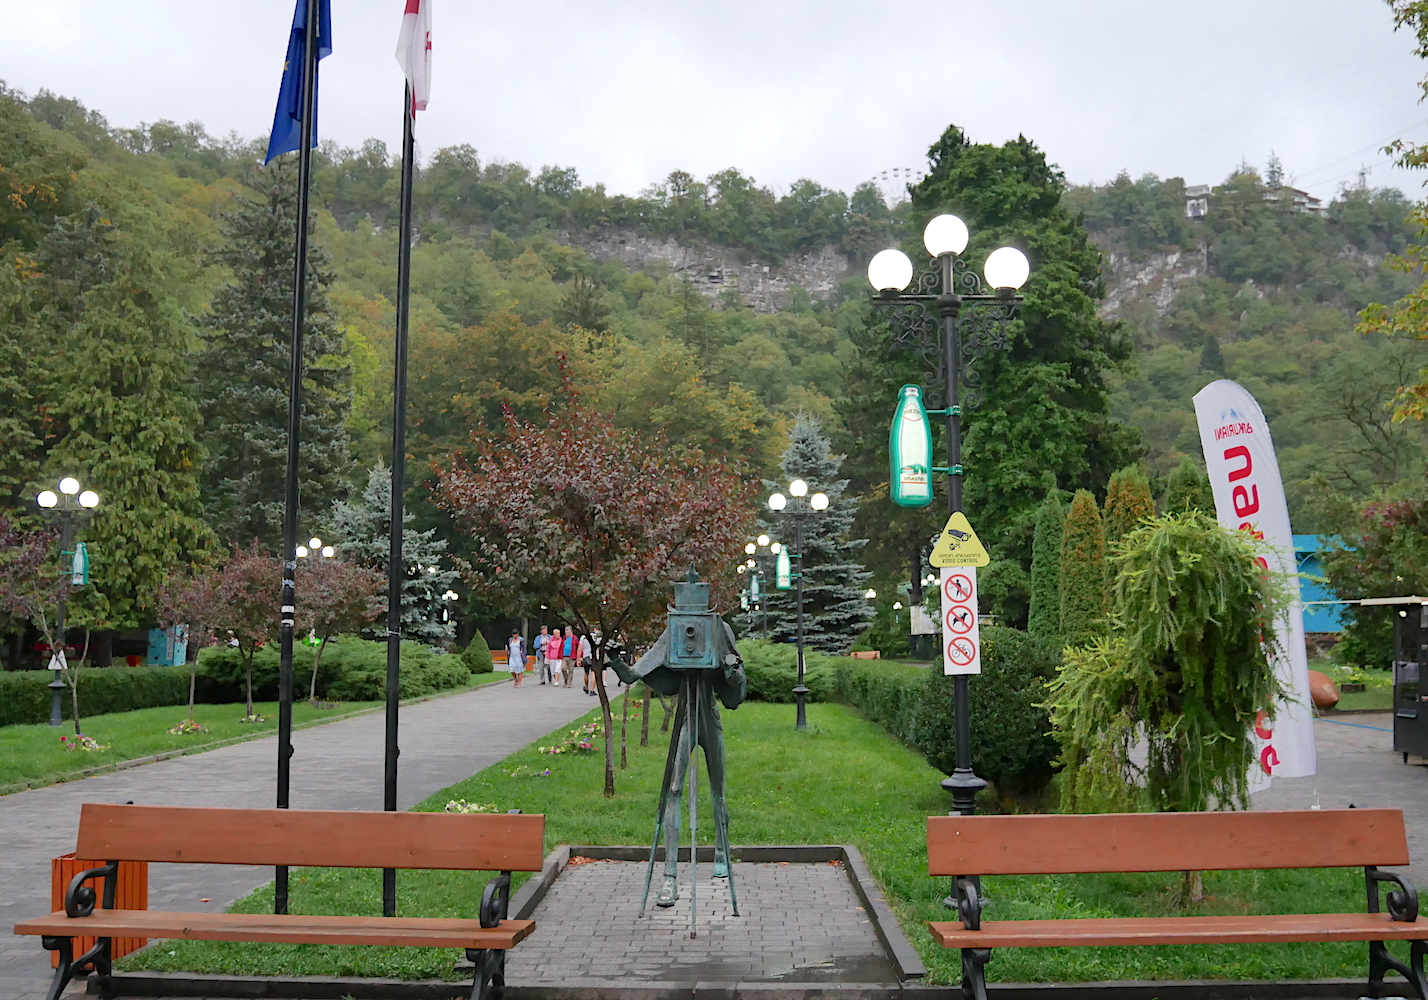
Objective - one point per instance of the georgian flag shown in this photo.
(414, 51)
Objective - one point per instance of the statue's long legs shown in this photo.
(711, 735)
(669, 792)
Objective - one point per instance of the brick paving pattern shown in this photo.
(799, 923)
(336, 766)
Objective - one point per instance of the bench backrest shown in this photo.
(336, 839)
(1155, 842)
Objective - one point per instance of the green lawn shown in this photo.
(842, 781)
(34, 754)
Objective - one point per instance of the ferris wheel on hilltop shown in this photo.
(893, 183)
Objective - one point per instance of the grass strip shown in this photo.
(843, 780)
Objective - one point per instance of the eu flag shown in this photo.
(287, 121)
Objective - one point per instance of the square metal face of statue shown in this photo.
(691, 640)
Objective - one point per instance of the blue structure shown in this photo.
(1317, 617)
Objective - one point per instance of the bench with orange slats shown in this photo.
(462, 842)
(968, 847)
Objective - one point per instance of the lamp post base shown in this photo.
(964, 786)
(55, 686)
(800, 694)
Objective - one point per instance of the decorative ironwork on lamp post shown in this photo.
(799, 508)
(942, 312)
(69, 504)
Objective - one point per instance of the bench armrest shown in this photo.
(1402, 902)
(496, 900)
(969, 904)
(79, 899)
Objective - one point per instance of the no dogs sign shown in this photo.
(961, 639)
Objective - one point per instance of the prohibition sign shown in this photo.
(958, 588)
(961, 619)
(961, 650)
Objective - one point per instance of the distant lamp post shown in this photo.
(314, 547)
(930, 318)
(801, 506)
(446, 600)
(754, 598)
(71, 503)
(871, 594)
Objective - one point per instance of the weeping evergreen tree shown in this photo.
(1189, 489)
(360, 528)
(1158, 715)
(1044, 619)
(1128, 502)
(835, 610)
(1085, 594)
(243, 370)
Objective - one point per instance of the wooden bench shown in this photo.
(461, 842)
(967, 847)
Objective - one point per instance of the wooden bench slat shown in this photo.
(301, 837)
(1267, 929)
(432, 932)
(1152, 842)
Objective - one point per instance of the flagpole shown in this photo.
(396, 568)
(290, 498)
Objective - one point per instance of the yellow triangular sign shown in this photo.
(958, 545)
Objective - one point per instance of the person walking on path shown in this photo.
(539, 645)
(554, 658)
(587, 660)
(516, 656)
(570, 653)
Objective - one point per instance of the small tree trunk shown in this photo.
(316, 659)
(1193, 889)
(248, 683)
(192, 683)
(644, 715)
(624, 724)
(73, 678)
(609, 720)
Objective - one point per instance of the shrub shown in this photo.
(1085, 588)
(25, 697)
(1012, 745)
(477, 655)
(772, 671)
(352, 669)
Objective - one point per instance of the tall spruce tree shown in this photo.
(1044, 616)
(835, 608)
(243, 369)
(1128, 502)
(1189, 489)
(1085, 592)
(361, 530)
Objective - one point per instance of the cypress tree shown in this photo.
(243, 370)
(1085, 595)
(1189, 489)
(360, 528)
(1044, 618)
(835, 610)
(1128, 502)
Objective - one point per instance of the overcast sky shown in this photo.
(628, 90)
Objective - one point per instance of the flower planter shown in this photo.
(132, 893)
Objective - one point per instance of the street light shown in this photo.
(314, 547)
(871, 595)
(798, 489)
(941, 292)
(69, 504)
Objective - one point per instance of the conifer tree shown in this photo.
(243, 370)
(1085, 595)
(1189, 489)
(835, 610)
(1044, 618)
(1128, 502)
(360, 528)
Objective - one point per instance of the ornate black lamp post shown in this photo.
(948, 318)
(799, 508)
(69, 504)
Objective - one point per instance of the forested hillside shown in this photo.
(146, 265)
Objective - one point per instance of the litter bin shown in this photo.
(132, 893)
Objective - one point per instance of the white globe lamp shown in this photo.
(945, 234)
(1006, 267)
(890, 270)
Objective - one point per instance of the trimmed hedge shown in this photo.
(477, 655)
(772, 671)
(25, 696)
(1012, 745)
(352, 669)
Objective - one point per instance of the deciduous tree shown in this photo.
(340, 596)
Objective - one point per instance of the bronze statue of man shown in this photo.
(696, 659)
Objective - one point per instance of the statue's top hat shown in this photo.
(691, 595)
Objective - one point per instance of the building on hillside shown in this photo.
(1197, 201)
(1322, 622)
(1303, 200)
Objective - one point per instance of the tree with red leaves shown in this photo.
(190, 599)
(32, 583)
(338, 597)
(595, 520)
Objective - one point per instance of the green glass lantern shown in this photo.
(910, 451)
(783, 578)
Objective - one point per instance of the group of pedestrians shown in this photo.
(558, 655)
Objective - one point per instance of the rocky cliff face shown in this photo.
(1149, 285)
(714, 270)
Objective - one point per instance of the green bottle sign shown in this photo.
(79, 568)
(754, 587)
(783, 578)
(910, 451)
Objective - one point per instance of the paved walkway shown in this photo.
(801, 923)
(336, 766)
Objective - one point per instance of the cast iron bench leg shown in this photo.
(64, 972)
(1380, 961)
(488, 966)
(974, 980)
